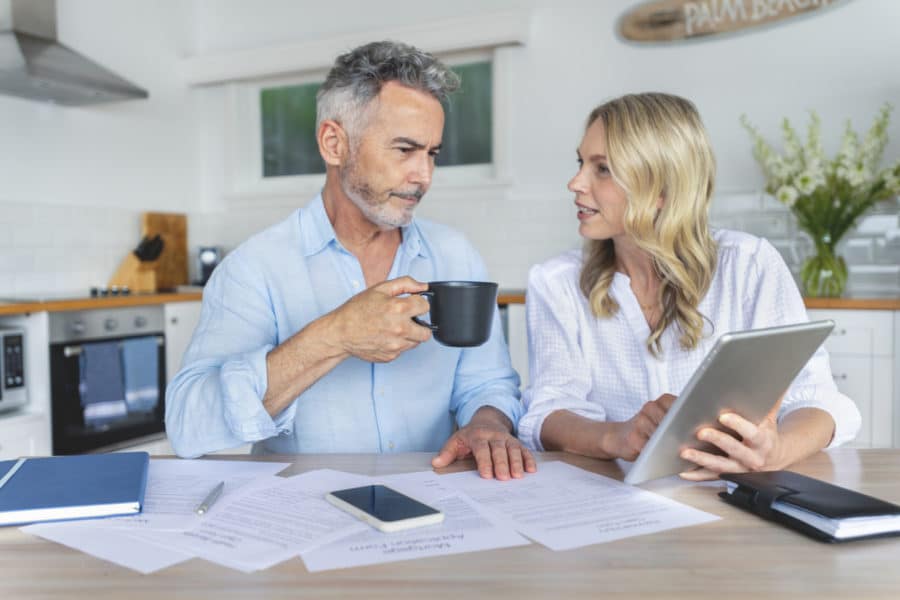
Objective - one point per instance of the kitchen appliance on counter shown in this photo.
(107, 377)
(13, 392)
(208, 258)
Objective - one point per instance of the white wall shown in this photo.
(73, 180)
(841, 62)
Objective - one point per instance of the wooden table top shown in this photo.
(739, 555)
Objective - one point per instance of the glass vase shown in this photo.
(824, 274)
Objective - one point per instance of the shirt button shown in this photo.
(391, 445)
(355, 284)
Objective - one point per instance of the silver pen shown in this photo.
(211, 497)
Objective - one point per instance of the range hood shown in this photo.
(34, 65)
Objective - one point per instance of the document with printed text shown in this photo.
(174, 488)
(272, 521)
(565, 507)
(466, 528)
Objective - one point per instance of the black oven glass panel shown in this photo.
(93, 405)
(102, 393)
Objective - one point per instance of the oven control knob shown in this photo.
(78, 327)
(110, 324)
(140, 322)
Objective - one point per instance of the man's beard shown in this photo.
(383, 214)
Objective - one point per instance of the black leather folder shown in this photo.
(818, 509)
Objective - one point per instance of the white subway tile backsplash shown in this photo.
(874, 280)
(16, 214)
(887, 251)
(64, 248)
(859, 251)
(769, 202)
(877, 224)
(50, 248)
(874, 243)
(14, 260)
(725, 203)
(769, 224)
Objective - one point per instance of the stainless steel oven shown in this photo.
(107, 377)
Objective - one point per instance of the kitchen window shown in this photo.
(288, 124)
(248, 99)
(273, 152)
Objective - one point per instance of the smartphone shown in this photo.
(384, 508)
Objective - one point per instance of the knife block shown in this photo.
(137, 275)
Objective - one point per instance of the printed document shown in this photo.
(109, 544)
(272, 521)
(565, 507)
(174, 489)
(466, 528)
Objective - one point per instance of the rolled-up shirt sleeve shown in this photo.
(215, 400)
(560, 374)
(775, 300)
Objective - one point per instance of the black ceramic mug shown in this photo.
(462, 312)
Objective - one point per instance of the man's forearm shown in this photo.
(294, 366)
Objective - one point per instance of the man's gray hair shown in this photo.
(357, 76)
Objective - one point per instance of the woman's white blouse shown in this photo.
(601, 368)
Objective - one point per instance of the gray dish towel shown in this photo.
(101, 373)
(140, 364)
(101, 386)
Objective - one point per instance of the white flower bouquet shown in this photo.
(827, 196)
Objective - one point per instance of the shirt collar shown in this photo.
(317, 232)
(412, 244)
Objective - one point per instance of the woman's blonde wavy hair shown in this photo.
(656, 148)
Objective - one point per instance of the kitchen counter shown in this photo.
(512, 296)
(26, 306)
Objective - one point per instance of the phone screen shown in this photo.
(383, 503)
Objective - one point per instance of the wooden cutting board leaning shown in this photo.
(172, 265)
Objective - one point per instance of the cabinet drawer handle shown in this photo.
(840, 377)
(838, 332)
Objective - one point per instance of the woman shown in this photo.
(615, 330)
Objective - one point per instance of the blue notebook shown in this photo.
(72, 487)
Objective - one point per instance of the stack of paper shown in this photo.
(262, 520)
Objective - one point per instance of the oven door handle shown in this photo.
(70, 351)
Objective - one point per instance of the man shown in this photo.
(306, 341)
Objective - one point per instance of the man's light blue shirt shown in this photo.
(274, 285)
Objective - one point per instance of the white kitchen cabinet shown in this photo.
(863, 354)
(24, 434)
(181, 319)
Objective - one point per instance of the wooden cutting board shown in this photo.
(172, 265)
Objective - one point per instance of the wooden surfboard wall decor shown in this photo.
(676, 20)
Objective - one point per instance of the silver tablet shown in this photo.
(745, 372)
